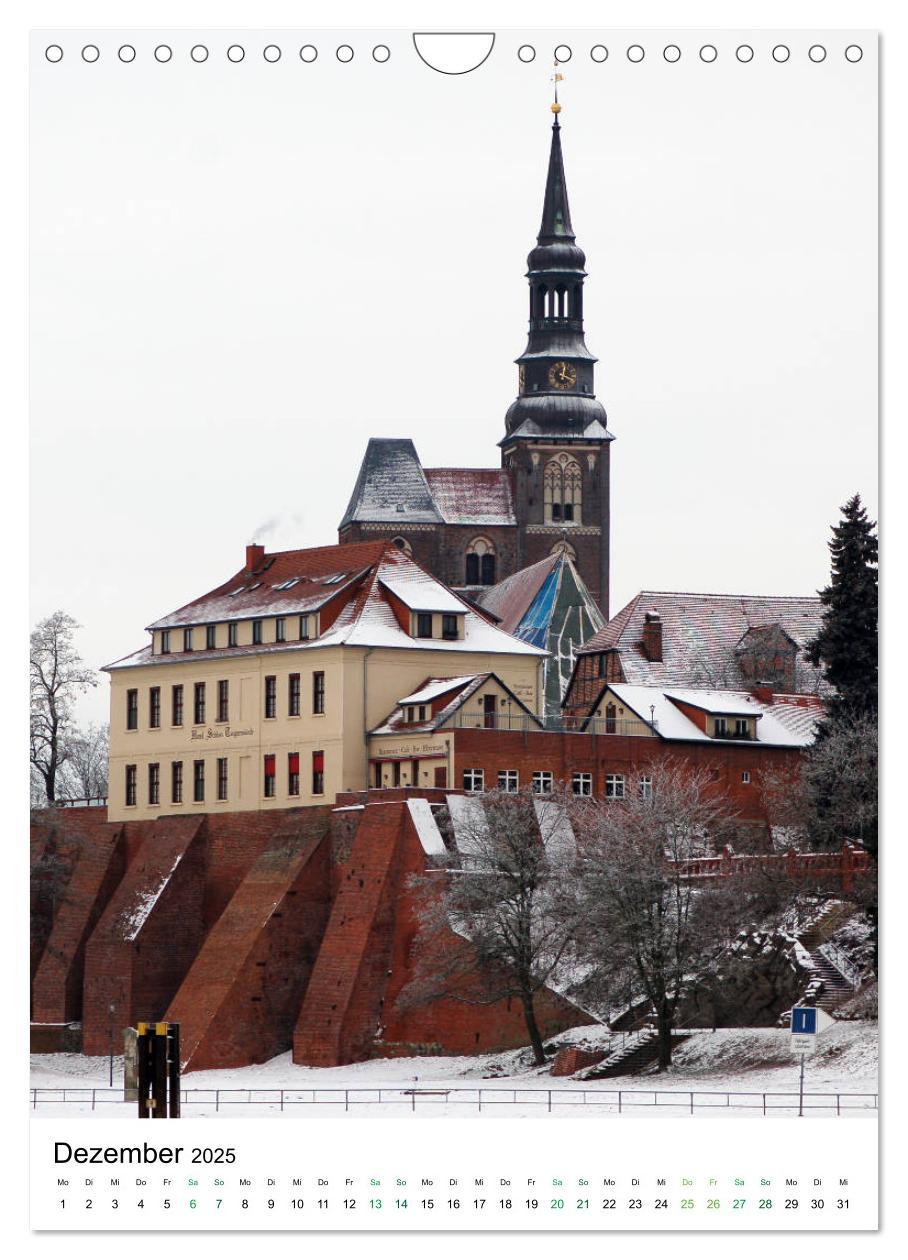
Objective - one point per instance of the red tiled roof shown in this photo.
(472, 496)
(312, 565)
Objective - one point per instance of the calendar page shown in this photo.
(454, 642)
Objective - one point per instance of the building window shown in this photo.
(473, 780)
(280, 630)
(741, 728)
(176, 782)
(318, 773)
(542, 782)
(480, 563)
(154, 707)
(256, 632)
(233, 634)
(293, 695)
(449, 626)
(745, 776)
(211, 636)
(304, 627)
(187, 640)
(132, 709)
(508, 780)
(318, 692)
(165, 641)
(646, 787)
(176, 705)
(269, 774)
(293, 774)
(611, 719)
(223, 700)
(562, 489)
(403, 545)
(424, 625)
(271, 696)
(130, 785)
(154, 784)
(721, 726)
(198, 708)
(582, 783)
(422, 713)
(198, 780)
(222, 778)
(614, 785)
(411, 713)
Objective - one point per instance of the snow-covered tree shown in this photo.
(58, 677)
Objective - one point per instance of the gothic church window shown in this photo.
(562, 491)
(480, 563)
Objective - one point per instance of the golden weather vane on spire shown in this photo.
(556, 79)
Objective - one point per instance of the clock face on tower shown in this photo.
(562, 375)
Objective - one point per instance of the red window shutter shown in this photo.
(269, 764)
(318, 763)
(294, 759)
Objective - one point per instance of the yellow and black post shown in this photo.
(158, 1047)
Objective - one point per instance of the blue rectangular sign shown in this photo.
(804, 1020)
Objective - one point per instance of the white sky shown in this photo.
(241, 272)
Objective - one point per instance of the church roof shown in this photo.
(391, 487)
(700, 634)
(472, 496)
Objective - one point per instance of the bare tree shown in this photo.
(58, 677)
(85, 771)
(492, 923)
(640, 914)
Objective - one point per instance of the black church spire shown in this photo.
(556, 213)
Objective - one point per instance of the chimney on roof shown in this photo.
(652, 635)
(255, 554)
(763, 692)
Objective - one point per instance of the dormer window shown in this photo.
(449, 626)
(424, 625)
(187, 640)
(210, 636)
(165, 641)
(721, 726)
(256, 632)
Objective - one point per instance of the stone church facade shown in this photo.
(474, 527)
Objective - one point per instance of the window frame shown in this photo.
(449, 624)
(233, 634)
(423, 619)
(199, 704)
(211, 634)
(580, 780)
(318, 692)
(511, 781)
(131, 785)
(270, 697)
(176, 783)
(538, 782)
(257, 632)
(187, 638)
(198, 781)
(293, 776)
(304, 627)
(269, 781)
(132, 709)
(176, 704)
(154, 708)
(154, 783)
(223, 710)
(294, 695)
(165, 642)
(223, 780)
(614, 782)
(280, 629)
(318, 772)
(476, 777)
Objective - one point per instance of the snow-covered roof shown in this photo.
(423, 593)
(700, 634)
(790, 722)
(437, 687)
(725, 703)
(472, 496)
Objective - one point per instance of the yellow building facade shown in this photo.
(263, 693)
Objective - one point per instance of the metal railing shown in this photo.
(77, 802)
(409, 1097)
(842, 963)
(507, 720)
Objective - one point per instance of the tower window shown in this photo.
(480, 563)
(562, 490)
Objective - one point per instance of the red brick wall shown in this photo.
(563, 754)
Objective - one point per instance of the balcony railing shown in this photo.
(508, 720)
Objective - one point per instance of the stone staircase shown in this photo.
(828, 986)
(635, 1053)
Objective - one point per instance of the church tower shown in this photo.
(556, 444)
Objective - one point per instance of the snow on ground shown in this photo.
(750, 1061)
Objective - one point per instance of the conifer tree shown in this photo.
(846, 645)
